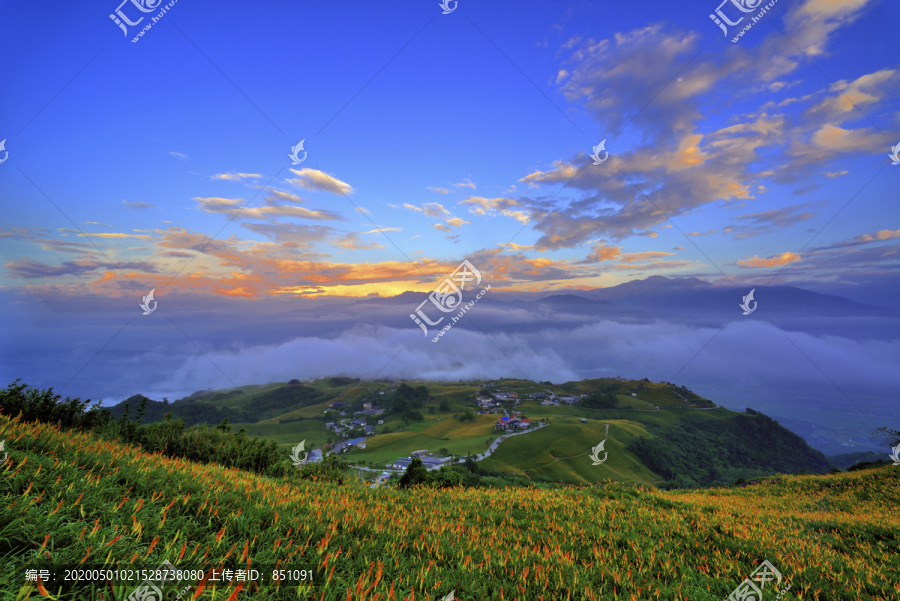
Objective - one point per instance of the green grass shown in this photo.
(439, 430)
(630, 402)
(460, 438)
(69, 497)
(560, 452)
(290, 434)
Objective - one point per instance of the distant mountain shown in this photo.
(686, 300)
(653, 285)
(664, 296)
(571, 299)
(698, 300)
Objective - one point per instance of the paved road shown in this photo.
(484, 455)
(497, 442)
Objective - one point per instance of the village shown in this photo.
(492, 403)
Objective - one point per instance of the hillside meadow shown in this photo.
(71, 499)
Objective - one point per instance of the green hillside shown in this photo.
(72, 500)
(645, 424)
(560, 452)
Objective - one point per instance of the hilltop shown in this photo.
(660, 433)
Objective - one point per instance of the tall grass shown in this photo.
(76, 498)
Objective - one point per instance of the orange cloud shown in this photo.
(878, 236)
(775, 261)
(605, 253)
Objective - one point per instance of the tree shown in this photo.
(598, 400)
(416, 473)
(468, 416)
(445, 406)
(892, 437)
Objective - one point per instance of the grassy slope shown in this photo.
(460, 438)
(560, 452)
(522, 453)
(529, 453)
(67, 496)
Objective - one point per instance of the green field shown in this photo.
(560, 452)
(73, 499)
(556, 453)
(460, 438)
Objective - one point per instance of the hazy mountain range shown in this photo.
(820, 360)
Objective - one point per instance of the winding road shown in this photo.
(497, 442)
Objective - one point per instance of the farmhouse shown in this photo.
(430, 463)
(433, 463)
(486, 403)
(402, 463)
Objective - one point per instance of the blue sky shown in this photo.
(455, 134)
